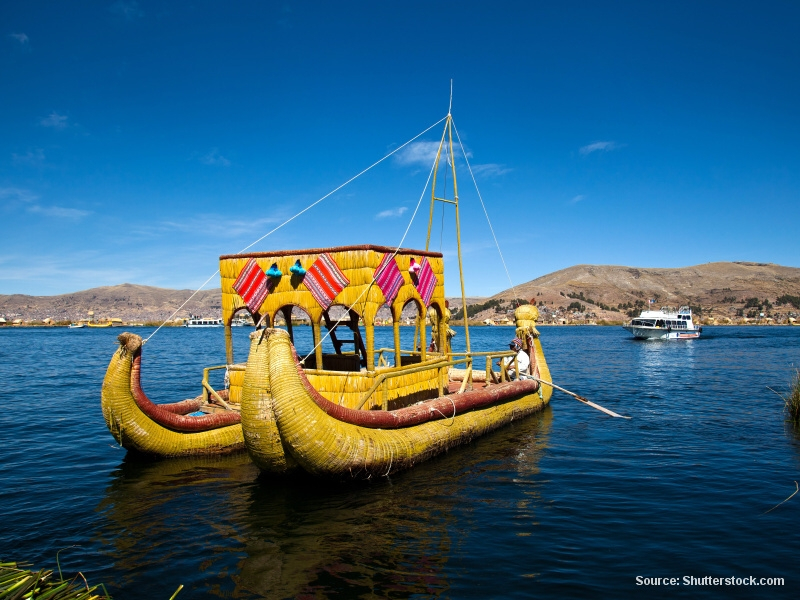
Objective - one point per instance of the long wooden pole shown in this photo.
(433, 188)
(458, 233)
(577, 397)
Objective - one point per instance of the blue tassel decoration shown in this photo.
(274, 271)
(297, 268)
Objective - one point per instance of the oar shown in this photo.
(579, 398)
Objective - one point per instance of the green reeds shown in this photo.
(19, 583)
(792, 399)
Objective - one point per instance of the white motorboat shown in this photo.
(664, 324)
(201, 322)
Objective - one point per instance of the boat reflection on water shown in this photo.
(381, 538)
(217, 527)
(660, 367)
(169, 522)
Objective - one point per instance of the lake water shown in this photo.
(567, 503)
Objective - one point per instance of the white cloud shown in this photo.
(59, 212)
(33, 158)
(54, 120)
(418, 153)
(214, 158)
(215, 226)
(127, 10)
(20, 37)
(599, 147)
(422, 153)
(392, 212)
(17, 195)
(577, 199)
(490, 170)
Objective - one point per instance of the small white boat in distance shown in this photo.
(664, 324)
(200, 322)
(77, 325)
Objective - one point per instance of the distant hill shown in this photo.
(719, 289)
(133, 303)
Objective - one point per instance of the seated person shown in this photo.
(523, 362)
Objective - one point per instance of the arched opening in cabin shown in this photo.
(439, 340)
(237, 329)
(297, 322)
(411, 333)
(341, 346)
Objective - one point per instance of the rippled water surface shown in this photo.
(566, 503)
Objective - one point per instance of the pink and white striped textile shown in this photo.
(426, 282)
(388, 277)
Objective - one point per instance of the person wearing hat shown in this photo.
(523, 361)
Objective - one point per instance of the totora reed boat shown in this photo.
(345, 408)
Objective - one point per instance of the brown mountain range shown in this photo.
(129, 302)
(720, 289)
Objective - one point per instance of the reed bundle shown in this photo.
(18, 582)
(134, 430)
(236, 380)
(347, 389)
(261, 436)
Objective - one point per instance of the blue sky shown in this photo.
(141, 140)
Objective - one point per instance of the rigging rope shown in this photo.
(485, 212)
(376, 275)
(307, 208)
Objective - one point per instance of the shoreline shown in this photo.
(598, 324)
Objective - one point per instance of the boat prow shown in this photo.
(288, 423)
(161, 429)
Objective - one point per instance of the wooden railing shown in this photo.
(382, 378)
(209, 392)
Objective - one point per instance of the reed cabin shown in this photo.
(352, 283)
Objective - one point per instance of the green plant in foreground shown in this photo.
(792, 399)
(19, 583)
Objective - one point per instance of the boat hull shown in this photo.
(661, 333)
(131, 417)
(287, 425)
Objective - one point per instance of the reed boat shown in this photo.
(343, 407)
(207, 424)
(373, 422)
(362, 411)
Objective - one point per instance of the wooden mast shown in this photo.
(448, 133)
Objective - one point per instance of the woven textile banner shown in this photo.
(388, 278)
(426, 282)
(252, 285)
(325, 280)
